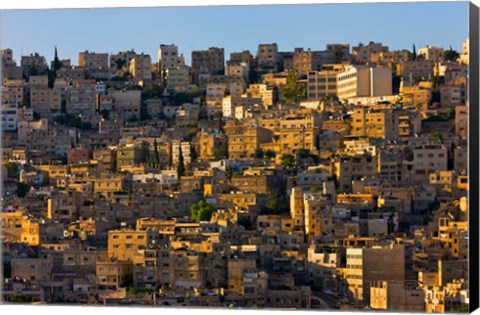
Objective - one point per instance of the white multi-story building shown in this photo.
(9, 117)
(347, 81)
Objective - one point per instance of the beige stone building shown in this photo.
(33, 64)
(461, 121)
(428, 159)
(81, 98)
(211, 61)
(267, 55)
(369, 264)
(168, 57)
(126, 102)
(93, 62)
(120, 62)
(417, 96)
(263, 91)
(365, 53)
(244, 139)
(125, 245)
(410, 70)
(183, 147)
(373, 123)
(396, 296)
(210, 145)
(140, 68)
(178, 78)
(434, 54)
(44, 100)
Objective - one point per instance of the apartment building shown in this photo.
(461, 121)
(44, 100)
(434, 54)
(185, 149)
(229, 104)
(369, 264)
(211, 145)
(244, 56)
(263, 91)
(238, 71)
(348, 81)
(356, 167)
(12, 92)
(34, 64)
(454, 93)
(428, 159)
(120, 62)
(126, 102)
(140, 68)
(243, 140)
(211, 61)
(9, 68)
(125, 245)
(371, 123)
(81, 98)
(365, 53)
(267, 55)
(168, 57)
(178, 79)
(93, 63)
(411, 70)
(417, 96)
(9, 114)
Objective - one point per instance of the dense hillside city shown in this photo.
(330, 179)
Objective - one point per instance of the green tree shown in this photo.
(258, 153)
(120, 63)
(12, 169)
(414, 54)
(270, 154)
(193, 153)
(57, 64)
(293, 91)
(132, 290)
(229, 172)
(155, 148)
(7, 269)
(86, 125)
(288, 162)
(201, 211)
(272, 203)
(461, 309)
(451, 113)
(450, 55)
(22, 189)
(436, 135)
(220, 154)
(105, 113)
(245, 222)
(181, 164)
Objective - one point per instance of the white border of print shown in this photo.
(50, 4)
